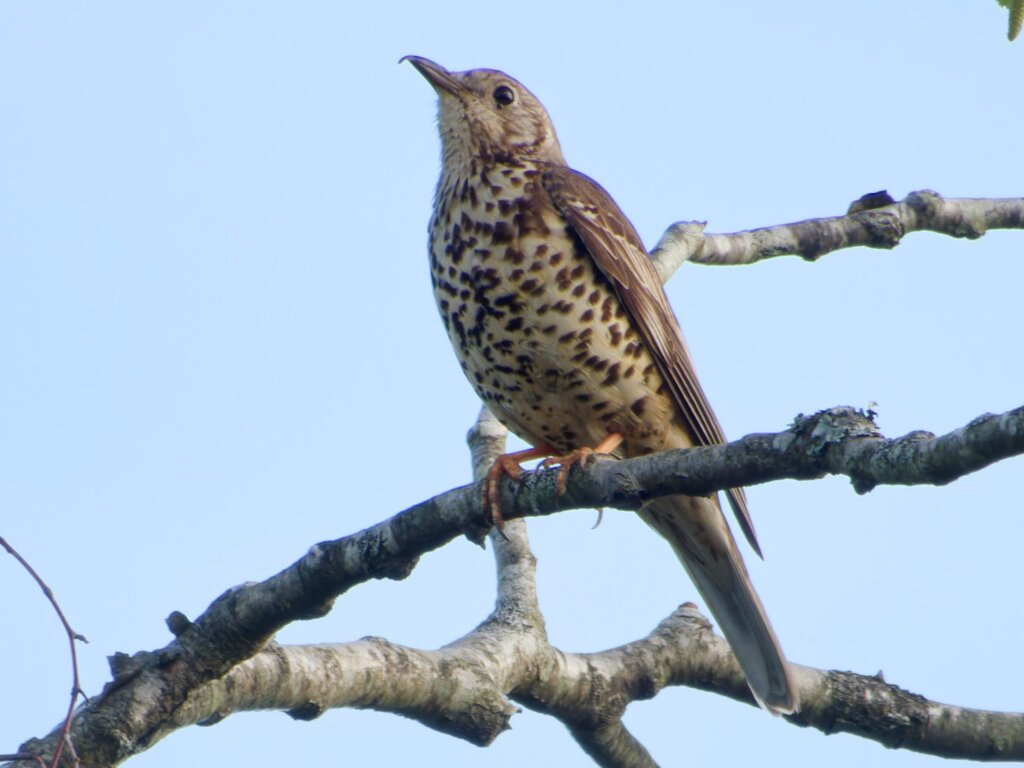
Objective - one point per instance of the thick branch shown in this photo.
(508, 653)
(839, 441)
(456, 690)
(461, 690)
(875, 221)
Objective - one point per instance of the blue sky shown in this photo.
(219, 343)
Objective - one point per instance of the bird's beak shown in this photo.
(439, 77)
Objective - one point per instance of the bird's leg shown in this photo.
(579, 456)
(507, 464)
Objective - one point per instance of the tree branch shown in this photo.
(838, 441)
(461, 690)
(192, 680)
(876, 221)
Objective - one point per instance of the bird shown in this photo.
(561, 325)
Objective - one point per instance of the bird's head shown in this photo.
(486, 114)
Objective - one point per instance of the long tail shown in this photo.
(697, 531)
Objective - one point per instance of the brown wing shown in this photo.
(619, 253)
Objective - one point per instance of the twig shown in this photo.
(76, 688)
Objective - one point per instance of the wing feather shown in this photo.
(619, 253)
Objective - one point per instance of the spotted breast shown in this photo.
(542, 337)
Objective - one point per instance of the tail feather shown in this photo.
(700, 536)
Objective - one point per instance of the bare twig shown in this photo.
(73, 637)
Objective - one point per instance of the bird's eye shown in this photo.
(503, 95)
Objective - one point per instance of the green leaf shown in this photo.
(1016, 8)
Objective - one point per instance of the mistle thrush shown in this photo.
(561, 325)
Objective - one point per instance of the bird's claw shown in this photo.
(505, 465)
(581, 457)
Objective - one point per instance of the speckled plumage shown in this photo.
(539, 332)
(561, 325)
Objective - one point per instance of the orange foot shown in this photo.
(579, 456)
(507, 465)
